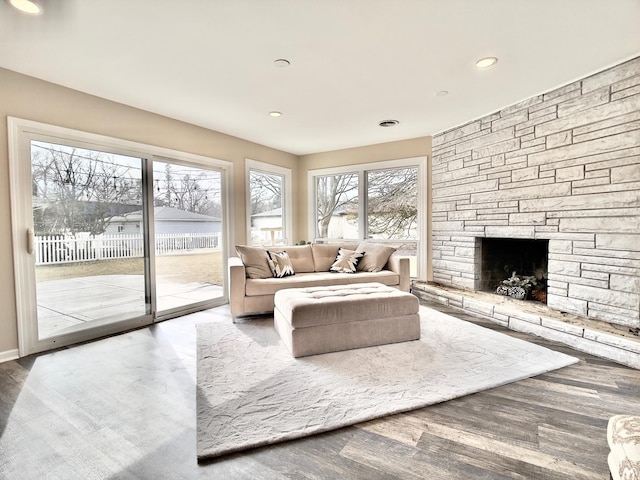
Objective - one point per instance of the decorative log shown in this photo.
(502, 290)
(518, 293)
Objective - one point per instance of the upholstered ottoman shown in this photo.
(317, 320)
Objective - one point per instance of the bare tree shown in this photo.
(79, 190)
(392, 210)
(334, 192)
(190, 189)
(265, 191)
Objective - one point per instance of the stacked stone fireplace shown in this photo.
(561, 168)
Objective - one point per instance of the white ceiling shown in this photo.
(353, 62)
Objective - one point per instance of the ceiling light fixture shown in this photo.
(442, 93)
(281, 63)
(275, 114)
(30, 7)
(486, 62)
(388, 123)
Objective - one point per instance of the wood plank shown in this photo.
(124, 407)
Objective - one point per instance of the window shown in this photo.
(337, 206)
(377, 201)
(392, 203)
(268, 204)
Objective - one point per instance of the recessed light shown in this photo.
(442, 93)
(275, 114)
(388, 123)
(486, 62)
(281, 63)
(29, 7)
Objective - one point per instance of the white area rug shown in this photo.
(251, 392)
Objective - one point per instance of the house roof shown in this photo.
(166, 214)
(276, 212)
(352, 63)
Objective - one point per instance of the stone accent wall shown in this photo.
(563, 166)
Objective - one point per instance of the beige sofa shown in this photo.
(311, 263)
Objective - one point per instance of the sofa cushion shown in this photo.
(280, 264)
(300, 256)
(324, 254)
(375, 256)
(269, 286)
(346, 261)
(255, 261)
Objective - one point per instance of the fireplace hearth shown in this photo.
(588, 335)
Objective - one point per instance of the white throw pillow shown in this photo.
(280, 264)
(346, 261)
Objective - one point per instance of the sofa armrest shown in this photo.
(237, 286)
(400, 265)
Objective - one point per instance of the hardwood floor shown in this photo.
(124, 408)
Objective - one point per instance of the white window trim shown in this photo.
(287, 204)
(360, 169)
(18, 131)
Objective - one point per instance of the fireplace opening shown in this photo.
(508, 263)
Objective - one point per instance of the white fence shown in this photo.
(65, 249)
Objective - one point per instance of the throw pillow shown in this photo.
(346, 261)
(280, 264)
(255, 261)
(376, 257)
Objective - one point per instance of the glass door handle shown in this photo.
(31, 240)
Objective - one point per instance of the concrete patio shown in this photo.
(67, 305)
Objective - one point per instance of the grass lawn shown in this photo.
(184, 268)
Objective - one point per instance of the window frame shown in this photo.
(20, 133)
(287, 194)
(361, 170)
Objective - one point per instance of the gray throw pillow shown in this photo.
(376, 257)
(255, 261)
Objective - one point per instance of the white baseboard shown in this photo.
(9, 355)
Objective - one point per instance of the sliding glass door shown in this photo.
(88, 271)
(187, 212)
(110, 235)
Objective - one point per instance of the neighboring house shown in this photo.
(50, 219)
(340, 225)
(167, 220)
(268, 219)
(266, 227)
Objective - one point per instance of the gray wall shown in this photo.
(563, 166)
